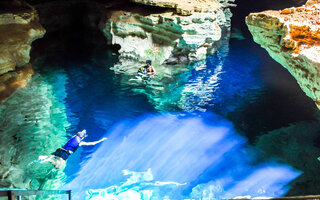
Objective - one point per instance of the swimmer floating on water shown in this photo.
(59, 157)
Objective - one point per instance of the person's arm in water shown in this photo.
(92, 143)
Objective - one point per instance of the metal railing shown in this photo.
(17, 194)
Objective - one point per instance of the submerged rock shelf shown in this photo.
(34, 127)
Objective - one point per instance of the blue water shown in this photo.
(186, 152)
(189, 135)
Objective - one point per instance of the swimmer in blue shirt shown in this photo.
(59, 157)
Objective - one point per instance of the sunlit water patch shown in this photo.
(175, 157)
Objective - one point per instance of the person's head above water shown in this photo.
(82, 133)
(148, 62)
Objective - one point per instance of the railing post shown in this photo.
(11, 195)
(69, 194)
(17, 194)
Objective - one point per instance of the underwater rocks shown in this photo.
(31, 127)
(19, 27)
(292, 37)
(167, 35)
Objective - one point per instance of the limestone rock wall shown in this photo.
(181, 33)
(19, 27)
(292, 37)
(183, 7)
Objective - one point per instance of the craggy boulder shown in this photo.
(292, 37)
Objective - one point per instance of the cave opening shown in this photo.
(74, 28)
(72, 31)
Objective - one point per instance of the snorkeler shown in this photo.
(59, 157)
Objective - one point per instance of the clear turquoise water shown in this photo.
(239, 89)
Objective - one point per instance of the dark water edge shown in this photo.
(280, 102)
(283, 122)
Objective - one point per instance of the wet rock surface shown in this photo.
(188, 7)
(19, 27)
(167, 35)
(292, 37)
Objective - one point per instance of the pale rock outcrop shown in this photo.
(19, 27)
(184, 7)
(168, 36)
(292, 37)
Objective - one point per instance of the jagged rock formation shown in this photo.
(185, 33)
(19, 27)
(292, 37)
(186, 7)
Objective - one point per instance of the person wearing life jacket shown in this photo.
(142, 71)
(59, 157)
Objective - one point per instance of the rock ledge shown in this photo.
(292, 37)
